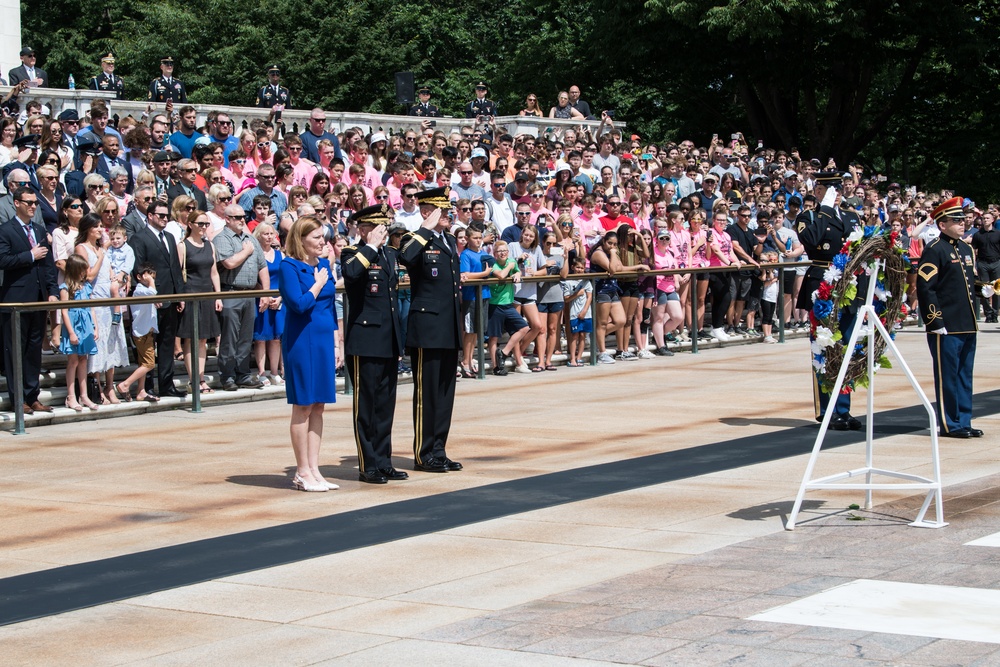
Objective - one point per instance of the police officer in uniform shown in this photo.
(945, 280)
(480, 106)
(273, 94)
(107, 81)
(424, 107)
(823, 233)
(166, 87)
(434, 328)
(373, 341)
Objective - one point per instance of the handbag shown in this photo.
(94, 390)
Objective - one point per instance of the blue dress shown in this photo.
(82, 323)
(270, 324)
(307, 344)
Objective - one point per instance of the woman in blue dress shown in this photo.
(270, 321)
(308, 345)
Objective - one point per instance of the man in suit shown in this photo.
(35, 76)
(135, 221)
(17, 178)
(373, 341)
(111, 158)
(187, 172)
(27, 159)
(434, 329)
(29, 274)
(152, 244)
(945, 283)
(822, 234)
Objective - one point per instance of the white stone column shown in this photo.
(10, 35)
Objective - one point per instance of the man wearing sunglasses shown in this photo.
(16, 178)
(187, 173)
(314, 132)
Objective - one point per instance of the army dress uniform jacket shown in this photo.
(822, 234)
(373, 327)
(435, 278)
(161, 91)
(425, 110)
(479, 107)
(108, 84)
(267, 98)
(945, 280)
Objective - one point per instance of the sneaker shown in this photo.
(499, 359)
(625, 355)
(671, 338)
(664, 352)
(729, 331)
(720, 335)
(605, 358)
(742, 328)
(704, 335)
(752, 332)
(645, 354)
(770, 339)
(402, 369)
(523, 368)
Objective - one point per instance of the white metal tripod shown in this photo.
(868, 315)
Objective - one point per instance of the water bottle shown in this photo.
(788, 244)
(72, 82)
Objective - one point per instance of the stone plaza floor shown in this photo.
(619, 514)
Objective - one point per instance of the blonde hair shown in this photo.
(301, 228)
(105, 204)
(47, 169)
(259, 230)
(177, 211)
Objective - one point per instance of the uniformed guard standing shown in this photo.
(424, 107)
(823, 233)
(107, 81)
(945, 280)
(166, 87)
(373, 341)
(434, 329)
(480, 106)
(273, 96)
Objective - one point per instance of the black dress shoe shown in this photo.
(452, 465)
(853, 423)
(839, 423)
(173, 393)
(229, 385)
(251, 383)
(431, 465)
(392, 473)
(976, 433)
(961, 433)
(372, 477)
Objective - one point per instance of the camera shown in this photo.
(610, 113)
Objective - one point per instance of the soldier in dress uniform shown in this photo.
(373, 341)
(945, 280)
(481, 106)
(166, 88)
(823, 233)
(424, 107)
(273, 94)
(434, 328)
(107, 81)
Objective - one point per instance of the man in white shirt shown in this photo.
(409, 214)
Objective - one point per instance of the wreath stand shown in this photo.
(932, 486)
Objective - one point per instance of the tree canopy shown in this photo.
(902, 87)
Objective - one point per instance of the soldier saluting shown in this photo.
(166, 88)
(106, 81)
(823, 234)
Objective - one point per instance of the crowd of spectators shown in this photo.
(579, 200)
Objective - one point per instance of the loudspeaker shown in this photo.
(404, 88)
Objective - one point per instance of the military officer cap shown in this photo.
(482, 84)
(110, 58)
(950, 208)
(829, 178)
(372, 215)
(424, 90)
(28, 141)
(68, 115)
(437, 197)
(161, 156)
(274, 69)
(169, 60)
(88, 145)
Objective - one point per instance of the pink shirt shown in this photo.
(723, 245)
(539, 213)
(699, 257)
(370, 180)
(665, 261)
(303, 174)
(680, 243)
(590, 228)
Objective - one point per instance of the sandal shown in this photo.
(123, 395)
(468, 375)
(537, 369)
(550, 367)
(205, 389)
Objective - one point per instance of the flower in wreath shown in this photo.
(832, 275)
(825, 291)
(840, 261)
(824, 337)
(822, 309)
(819, 363)
(868, 231)
(856, 235)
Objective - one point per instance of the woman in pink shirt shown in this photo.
(589, 222)
(538, 210)
(237, 166)
(668, 313)
(680, 243)
(720, 253)
(699, 259)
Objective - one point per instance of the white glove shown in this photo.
(942, 331)
(988, 291)
(830, 198)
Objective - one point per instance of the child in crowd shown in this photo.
(144, 328)
(769, 298)
(578, 294)
(502, 314)
(122, 262)
(475, 265)
(79, 339)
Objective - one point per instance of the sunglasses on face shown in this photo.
(537, 196)
(189, 207)
(75, 206)
(382, 197)
(203, 224)
(523, 213)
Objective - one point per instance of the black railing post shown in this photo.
(17, 373)
(480, 334)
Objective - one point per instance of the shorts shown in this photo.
(739, 287)
(145, 349)
(340, 309)
(630, 290)
(604, 297)
(581, 326)
(701, 276)
(473, 319)
(663, 297)
(789, 281)
(552, 307)
(504, 319)
(523, 300)
(756, 290)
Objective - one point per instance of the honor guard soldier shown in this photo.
(434, 328)
(273, 95)
(107, 81)
(373, 341)
(167, 88)
(424, 107)
(823, 233)
(480, 106)
(945, 280)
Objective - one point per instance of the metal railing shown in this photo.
(15, 309)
